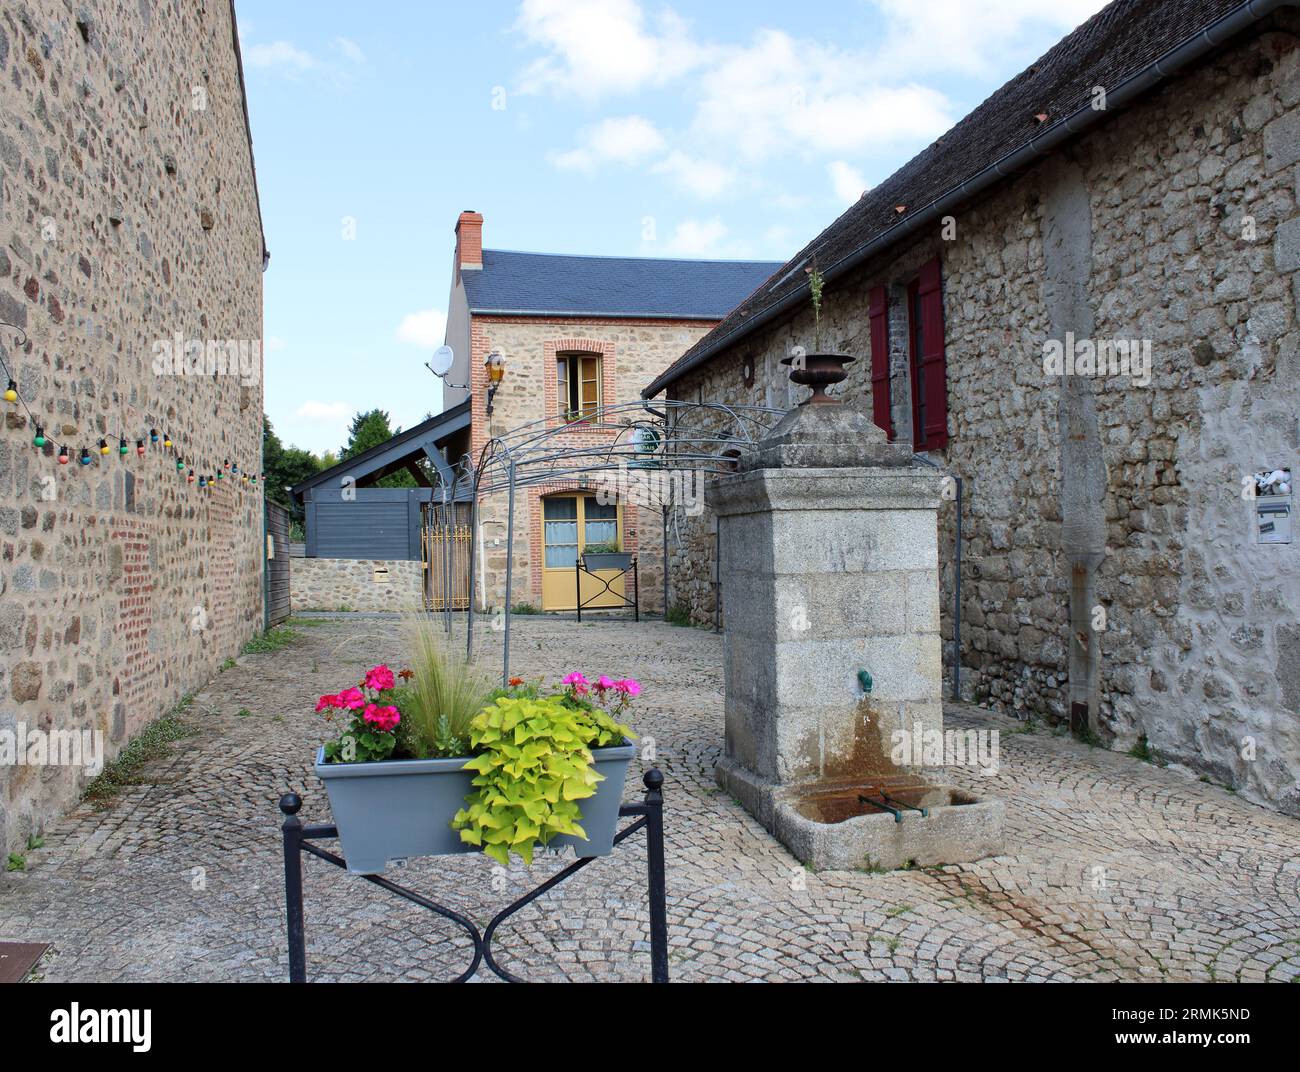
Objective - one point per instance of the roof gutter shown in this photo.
(1130, 89)
(556, 314)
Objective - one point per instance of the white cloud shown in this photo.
(594, 47)
(698, 238)
(777, 94)
(703, 178)
(324, 411)
(426, 329)
(781, 94)
(969, 36)
(847, 180)
(282, 56)
(291, 61)
(626, 140)
(349, 49)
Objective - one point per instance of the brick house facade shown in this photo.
(1112, 571)
(128, 217)
(634, 315)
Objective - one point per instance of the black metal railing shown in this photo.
(607, 590)
(298, 838)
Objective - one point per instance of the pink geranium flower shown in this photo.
(351, 699)
(380, 678)
(628, 687)
(326, 702)
(384, 718)
(605, 683)
(577, 683)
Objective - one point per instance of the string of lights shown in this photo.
(211, 477)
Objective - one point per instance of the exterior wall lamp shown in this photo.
(496, 371)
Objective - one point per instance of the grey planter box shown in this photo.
(600, 813)
(395, 809)
(599, 560)
(403, 807)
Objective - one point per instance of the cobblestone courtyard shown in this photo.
(1116, 869)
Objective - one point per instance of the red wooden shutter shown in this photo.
(880, 401)
(930, 292)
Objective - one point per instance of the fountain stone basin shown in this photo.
(829, 827)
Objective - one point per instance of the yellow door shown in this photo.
(569, 524)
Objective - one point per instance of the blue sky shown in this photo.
(719, 129)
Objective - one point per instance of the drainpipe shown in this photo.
(1193, 48)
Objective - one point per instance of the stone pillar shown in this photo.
(829, 568)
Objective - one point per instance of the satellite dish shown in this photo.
(441, 362)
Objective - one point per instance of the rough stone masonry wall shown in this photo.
(128, 213)
(633, 353)
(1198, 649)
(355, 584)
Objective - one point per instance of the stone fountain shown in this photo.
(828, 540)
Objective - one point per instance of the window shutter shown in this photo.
(878, 314)
(930, 292)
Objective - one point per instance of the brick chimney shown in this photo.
(469, 242)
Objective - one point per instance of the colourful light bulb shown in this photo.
(85, 456)
(39, 439)
(63, 455)
(103, 447)
(11, 395)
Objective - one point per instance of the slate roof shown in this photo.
(538, 284)
(1119, 42)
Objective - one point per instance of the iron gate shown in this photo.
(445, 541)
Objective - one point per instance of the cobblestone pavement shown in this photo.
(1116, 869)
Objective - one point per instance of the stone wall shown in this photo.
(1175, 222)
(633, 352)
(128, 216)
(355, 584)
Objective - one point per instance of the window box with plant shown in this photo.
(605, 556)
(432, 761)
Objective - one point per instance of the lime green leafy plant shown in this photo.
(533, 768)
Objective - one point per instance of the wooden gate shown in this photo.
(445, 546)
(276, 594)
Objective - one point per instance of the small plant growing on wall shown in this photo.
(815, 285)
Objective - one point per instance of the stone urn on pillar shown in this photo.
(828, 539)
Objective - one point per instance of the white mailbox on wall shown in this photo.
(1274, 506)
(1273, 515)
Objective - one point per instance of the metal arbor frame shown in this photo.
(665, 436)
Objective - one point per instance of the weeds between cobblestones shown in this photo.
(1116, 869)
(151, 744)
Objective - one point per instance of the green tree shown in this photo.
(370, 430)
(283, 467)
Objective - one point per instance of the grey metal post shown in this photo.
(449, 547)
(510, 577)
(665, 561)
(473, 563)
